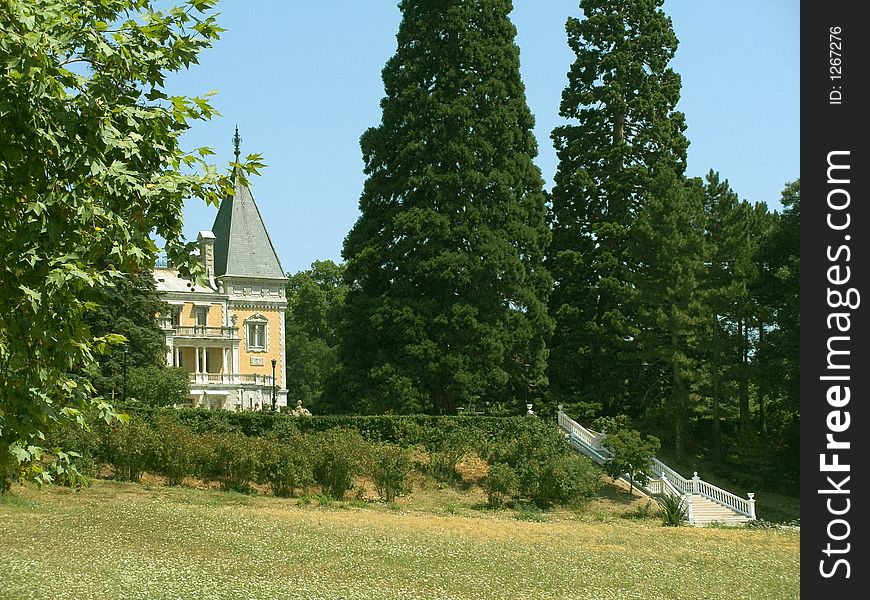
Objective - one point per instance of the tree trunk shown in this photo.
(744, 377)
(717, 390)
(717, 417)
(762, 388)
(677, 396)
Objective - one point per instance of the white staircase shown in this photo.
(706, 502)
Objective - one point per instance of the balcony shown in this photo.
(212, 333)
(229, 379)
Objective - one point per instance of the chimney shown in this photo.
(206, 253)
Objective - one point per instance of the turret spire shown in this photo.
(237, 141)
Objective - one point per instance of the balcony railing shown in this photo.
(229, 379)
(197, 331)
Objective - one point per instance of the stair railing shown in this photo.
(682, 486)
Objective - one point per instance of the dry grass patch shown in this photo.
(117, 540)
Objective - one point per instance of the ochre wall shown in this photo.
(215, 316)
(273, 344)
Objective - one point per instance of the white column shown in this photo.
(225, 361)
(196, 352)
(236, 360)
(282, 379)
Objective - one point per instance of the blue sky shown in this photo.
(302, 80)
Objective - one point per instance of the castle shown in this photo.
(228, 333)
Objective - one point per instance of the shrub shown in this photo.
(500, 484)
(405, 430)
(548, 472)
(129, 448)
(158, 386)
(231, 459)
(81, 447)
(337, 458)
(564, 479)
(674, 511)
(443, 460)
(285, 464)
(178, 450)
(389, 466)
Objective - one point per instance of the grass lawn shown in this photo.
(121, 540)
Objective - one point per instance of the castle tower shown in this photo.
(248, 271)
(227, 331)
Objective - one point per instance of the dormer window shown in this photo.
(255, 333)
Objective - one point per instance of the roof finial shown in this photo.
(236, 142)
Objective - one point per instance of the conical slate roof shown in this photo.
(242, 246)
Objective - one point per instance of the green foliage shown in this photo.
(338, 456)
(613, 424)
(128, 308)
(178, 451)
(777, 371)
(131, 449)
(232, 459)
(285, 464)
(447, 291)
(623, 129)
(91, 168)
(86, 442)
(314, 301)
(407, 430)
(548, 472)
(632, 455)
(673, 510)
(668, 241)
(389, 467)
(447, 453)
(158, 385)
(565, 479)
(500, 484)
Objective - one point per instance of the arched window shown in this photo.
(255, 333)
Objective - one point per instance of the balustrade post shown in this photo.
(695, 483)
(751, 505)
(689, 514)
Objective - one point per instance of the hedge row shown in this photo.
(428, 431)
(528, 458)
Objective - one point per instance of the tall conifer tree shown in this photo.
(731, 256)
(624, 130)
(667, 241)
(447, 300)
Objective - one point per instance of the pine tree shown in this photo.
(667, 241)
(778, 359)
(621, 99)
(447, 290)
(726, 284)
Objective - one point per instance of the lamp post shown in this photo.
(124, 388)
(274, 395)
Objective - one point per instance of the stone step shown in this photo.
(705, 511)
